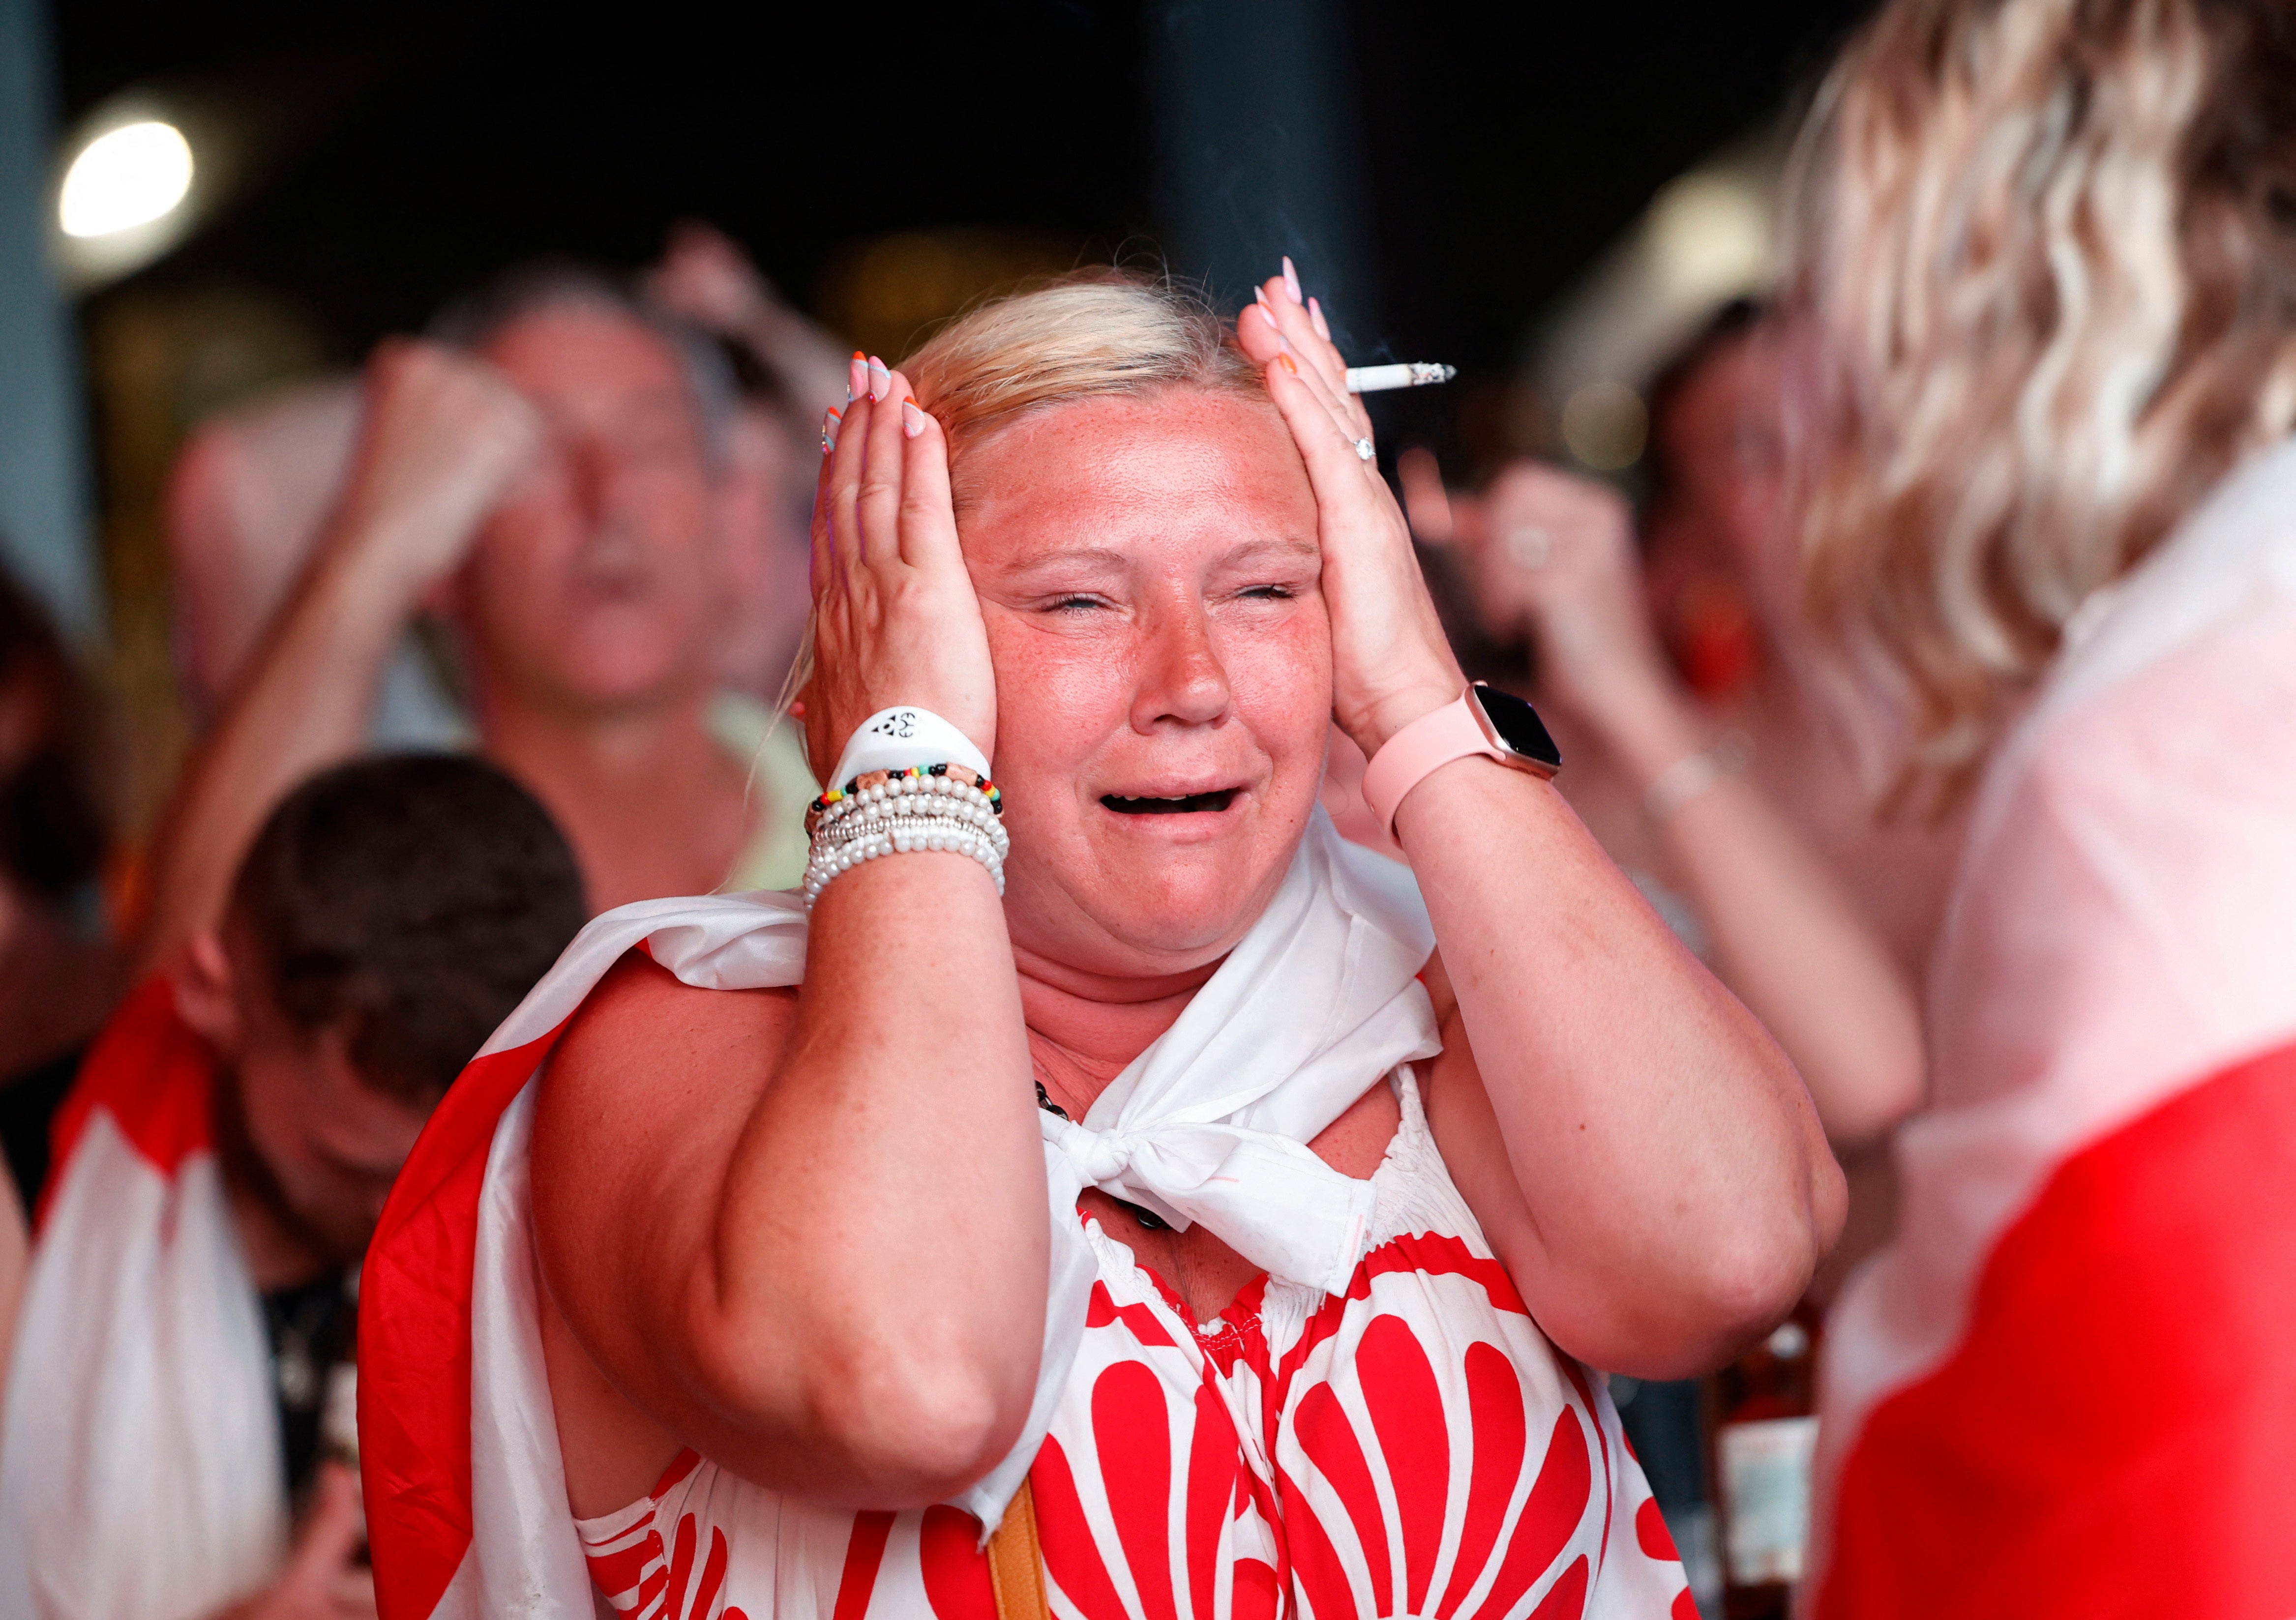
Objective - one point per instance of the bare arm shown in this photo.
(1669, 1190)
(1788, 939)
(1658, 1184)
(806, 1231)
(1785, 936)
(443, 435)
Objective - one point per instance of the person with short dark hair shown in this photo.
(221, 1162)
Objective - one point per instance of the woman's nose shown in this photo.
(1182, 680)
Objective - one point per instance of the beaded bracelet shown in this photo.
(925, 808)
(877, 785)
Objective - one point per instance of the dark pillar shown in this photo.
(43, 479)
(1257, 148)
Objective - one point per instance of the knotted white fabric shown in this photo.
(1210, 1122)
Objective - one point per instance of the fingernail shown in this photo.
(856, 377)
(1316, 316)
(1292, 280)
(1283, 344)
(1288, 363)
(1261, 294)
(829, 429)
(913, 419)
(879, 376)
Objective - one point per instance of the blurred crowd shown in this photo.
(1933, 679)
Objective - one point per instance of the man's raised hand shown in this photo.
(443, 439)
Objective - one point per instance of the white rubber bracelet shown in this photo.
(895, 739)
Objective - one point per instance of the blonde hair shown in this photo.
(2045, 248)
(1089, 334)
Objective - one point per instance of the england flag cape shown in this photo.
(466, 1490)
(2068, 1388)
(140, 1478)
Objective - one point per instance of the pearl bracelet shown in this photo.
(928, 807)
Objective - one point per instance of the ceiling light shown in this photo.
(126, 178)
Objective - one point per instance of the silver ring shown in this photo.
(1364, 451)
(1528, 547)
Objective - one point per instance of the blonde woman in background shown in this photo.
(2048, 258)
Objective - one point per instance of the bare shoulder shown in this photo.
(642, 1031)
(641, 1010)
(652, 1077)
(640, 1111)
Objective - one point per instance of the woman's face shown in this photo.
(1148, 570)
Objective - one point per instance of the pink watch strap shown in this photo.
(1407, 758)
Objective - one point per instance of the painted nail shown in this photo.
(1316, 316)
(913, 419)
(1261, 294)
(879, 377)
(856, 377)
(1288, 363)
(1283, 345)
(1292, 280)
(829, 429)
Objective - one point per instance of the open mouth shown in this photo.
(1191, 805)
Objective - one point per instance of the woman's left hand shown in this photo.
(1390, 660)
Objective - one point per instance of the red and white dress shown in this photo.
(1416, 1447)
(1377, 1428)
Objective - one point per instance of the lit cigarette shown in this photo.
(1379, 378)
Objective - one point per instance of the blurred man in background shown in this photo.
(222, 1161)
(785, 369)
(548, 478)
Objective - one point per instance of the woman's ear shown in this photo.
(205, 993)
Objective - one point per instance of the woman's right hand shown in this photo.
(896, 621)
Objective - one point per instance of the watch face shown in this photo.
(1519, 728)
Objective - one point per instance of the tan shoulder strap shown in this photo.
(1016, 1562)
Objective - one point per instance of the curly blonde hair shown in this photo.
(2047, 253)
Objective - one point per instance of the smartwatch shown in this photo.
(1483, 721)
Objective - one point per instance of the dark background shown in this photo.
(1443, 172)
(395, 153)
